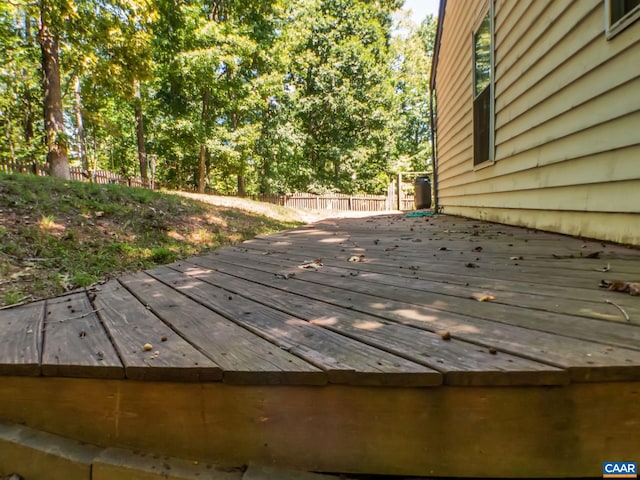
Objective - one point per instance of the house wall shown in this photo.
(567, 119)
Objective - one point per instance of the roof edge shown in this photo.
(436, 46)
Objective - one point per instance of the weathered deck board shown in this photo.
(131, 326)
(520, 279)
(343, 360)
(244, 357)
(413, 290)
(405, 255)
(460, 362)
(531, 296)
(75, 342)
(21, 339)
(586, 361)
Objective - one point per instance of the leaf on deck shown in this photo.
(483, 297)
(317, 263)
(632, 288)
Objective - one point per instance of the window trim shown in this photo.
(611, 30)
(488, 7)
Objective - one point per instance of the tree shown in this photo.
(412, 54)
(57, 143)
(339, 79)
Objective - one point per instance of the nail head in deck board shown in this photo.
(462, 363)
(470, 432)
(131, 326)
(21, 339)
(244, 357)
(343, 359)
(585, 360)
(75, 342)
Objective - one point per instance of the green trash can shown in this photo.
(422, 198)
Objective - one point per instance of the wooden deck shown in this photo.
(415, 346)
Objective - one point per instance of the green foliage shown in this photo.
(244, 97)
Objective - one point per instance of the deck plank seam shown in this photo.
(393, 255)
(524, 309)
(453, 295)
(417, 274)
(293, 349)
(257, 332)
(91, 296)
(446, 374)
(478, 342)
(168, 324)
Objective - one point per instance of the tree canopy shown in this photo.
(230, 96)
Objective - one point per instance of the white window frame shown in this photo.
(614, 29)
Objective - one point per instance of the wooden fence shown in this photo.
(402, 198)
(336, 201)
(11, 166)
(333, 201)
(104, 177)
(77, 173)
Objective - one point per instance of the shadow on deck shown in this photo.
(413, 346)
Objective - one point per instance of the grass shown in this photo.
(56, 235)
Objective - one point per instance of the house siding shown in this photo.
(567, 120)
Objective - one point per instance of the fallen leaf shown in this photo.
(356, 258)
(477, 249)
(445, 334)
(632, 288)
(471, 265)
(443, 249)
(493, 351)
(317, 263)
(517, 258)
(483, 297)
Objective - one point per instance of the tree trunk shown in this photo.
(82, 145)
(242, 191)
(202, 168)
(203, 148)
(7, 131)
(28, 111)
(142, 151)
(53, 117)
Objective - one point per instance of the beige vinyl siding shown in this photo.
(567, 137)
(454, 122)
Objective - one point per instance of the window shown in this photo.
(620, 14)
(483, 91)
